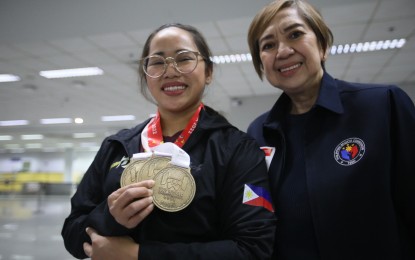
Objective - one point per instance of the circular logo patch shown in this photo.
(349, 151)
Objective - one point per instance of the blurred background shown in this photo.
(52, 126)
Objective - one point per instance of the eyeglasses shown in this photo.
(184, 62)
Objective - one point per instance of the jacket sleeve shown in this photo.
(403, 136)
(246, 231)
(89, 208)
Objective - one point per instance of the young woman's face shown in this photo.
(175, 91)
(290, 55)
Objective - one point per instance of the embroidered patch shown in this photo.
(123, 163)
(349, 151)
(257, 196)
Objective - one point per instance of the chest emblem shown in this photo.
(123, 162)
(349, 151)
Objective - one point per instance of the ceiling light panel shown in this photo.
(118, 118)
(50, 121)
(67, 73)
(9, 78)
(31, 137)
(14, 122)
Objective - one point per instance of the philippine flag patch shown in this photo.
(257, 196)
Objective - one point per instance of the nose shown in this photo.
(171, 70)
(284, 51)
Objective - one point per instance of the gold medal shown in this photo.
(174, 188)
(152, 166)
(131, 172)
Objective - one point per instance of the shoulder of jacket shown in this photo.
(346, 86)
(234, 137)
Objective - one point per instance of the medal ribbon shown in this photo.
(178, 156)
(152, 134)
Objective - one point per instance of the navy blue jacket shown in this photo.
(216, 225)
(362, 199)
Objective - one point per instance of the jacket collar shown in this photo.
(328, 98)
(209, 119)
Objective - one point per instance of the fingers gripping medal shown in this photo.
(174, 187)
(131, 172)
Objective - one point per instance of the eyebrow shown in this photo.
(161, 53)
(285, 30)
(269, 36)
(292, 26)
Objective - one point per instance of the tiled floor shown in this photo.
(30, 227)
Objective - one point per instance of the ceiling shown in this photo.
(57, 34)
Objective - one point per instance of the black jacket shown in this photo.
(216, 225)
(362, 207)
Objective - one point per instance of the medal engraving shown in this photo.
(131, 172)
(151, 167)
(174, 188)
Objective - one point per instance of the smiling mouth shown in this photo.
(174, 88)
(290, 68)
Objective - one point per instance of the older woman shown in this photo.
(342, 171)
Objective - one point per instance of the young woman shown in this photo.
(230, 216)
(342, 172)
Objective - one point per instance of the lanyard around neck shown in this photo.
(152, 134)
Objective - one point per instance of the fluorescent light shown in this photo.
(66, 73)
(33, 146)
(50, 149)
(401, 43)
(78, 120)
(367, 46)
(49, 121)
(17, 150)
(31, 137)
(232, 58)
(9, 78)
(88, 145)
(13, 122)
(118, 118)
(64, 145)
(12, 146)
(84, 135)
(6, 137)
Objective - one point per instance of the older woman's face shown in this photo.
(290, 54)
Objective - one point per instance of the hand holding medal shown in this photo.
(130, 204)
(169, 167)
